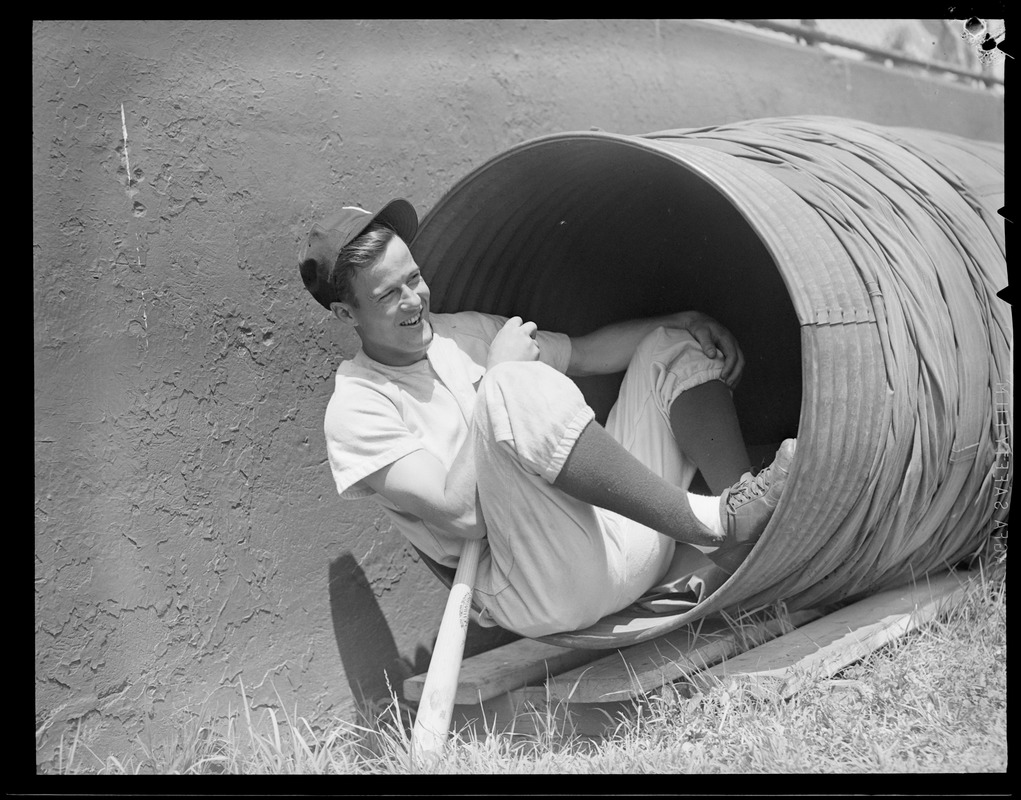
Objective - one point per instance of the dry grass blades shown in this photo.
(931, 701)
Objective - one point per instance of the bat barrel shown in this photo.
(432, 723)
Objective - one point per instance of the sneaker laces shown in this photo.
(750, 487)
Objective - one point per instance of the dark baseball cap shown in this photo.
(326, 239)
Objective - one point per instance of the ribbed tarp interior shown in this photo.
(575, 234)
(858, 267)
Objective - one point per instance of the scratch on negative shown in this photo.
(124, 129)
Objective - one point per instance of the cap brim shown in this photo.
(401, 216)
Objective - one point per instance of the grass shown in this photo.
(931, 701)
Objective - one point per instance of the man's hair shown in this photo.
(363, 251)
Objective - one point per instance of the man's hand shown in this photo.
(610, 348)
(514, 342)
(716, 341)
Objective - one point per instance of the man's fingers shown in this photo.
(733, 360)
(529, 328)
(717, 342)
(735, 366)
(729, 359)
(705, 338)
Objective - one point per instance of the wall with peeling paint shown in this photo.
(188, 536)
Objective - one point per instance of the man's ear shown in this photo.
(342, 311)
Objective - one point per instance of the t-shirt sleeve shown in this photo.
(364, 433)
(554, 349)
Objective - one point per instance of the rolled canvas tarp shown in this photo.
(858, 267)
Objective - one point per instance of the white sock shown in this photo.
(707, 511)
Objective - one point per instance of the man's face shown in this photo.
(392, 315)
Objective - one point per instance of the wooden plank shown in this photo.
(503, 688)
(824, 647)
(638, 669)
(527, 711)
(511, 666)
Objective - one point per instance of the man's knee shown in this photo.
(529, 388)
(673, 348)
(510, 374)
(675, 362)
(524, 380)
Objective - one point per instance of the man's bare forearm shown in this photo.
(610, 348)
(461, 492)
(420, 485)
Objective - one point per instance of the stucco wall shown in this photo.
(187, 531)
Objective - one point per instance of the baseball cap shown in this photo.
(325, 240)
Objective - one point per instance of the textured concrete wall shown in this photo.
(187, 531)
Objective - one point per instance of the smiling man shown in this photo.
(466, 425)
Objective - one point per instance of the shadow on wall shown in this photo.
(367, 647)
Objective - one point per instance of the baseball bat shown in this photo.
(432, 723)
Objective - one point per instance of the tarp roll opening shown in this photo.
(858, 267)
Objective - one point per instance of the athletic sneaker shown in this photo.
(746, 507)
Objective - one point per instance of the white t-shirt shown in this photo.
(379, 414)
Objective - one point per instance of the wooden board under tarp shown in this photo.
(521, 684)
